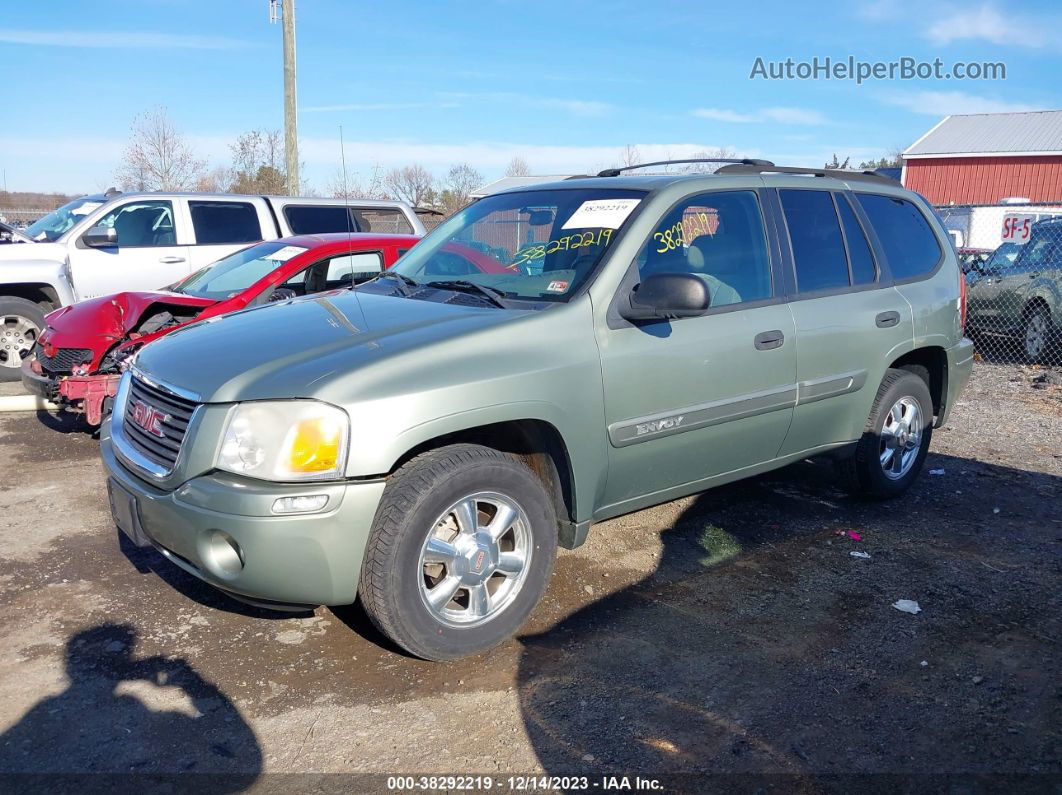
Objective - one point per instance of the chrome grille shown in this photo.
(175, 412)
(64, 361)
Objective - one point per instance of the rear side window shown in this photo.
(384, 220)
(910, 245)
(354, 268)
(309, 220)
(863, 271)
(224, 222)
(815, 235)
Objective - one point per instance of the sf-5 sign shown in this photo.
(1017, 228)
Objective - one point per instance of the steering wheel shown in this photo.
(282, 294)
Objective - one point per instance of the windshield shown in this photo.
(56, 223)
(1044, 248)
(235, 273)
(537, 245)
(1003, 256)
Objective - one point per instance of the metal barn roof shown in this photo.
(983, 134)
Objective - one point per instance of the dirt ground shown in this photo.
(727, 640)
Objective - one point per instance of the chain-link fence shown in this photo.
(1011, 255)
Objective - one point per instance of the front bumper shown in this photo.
(299, 559)
(960, 367)
(39, 384)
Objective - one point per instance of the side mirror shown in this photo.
(667, 296)
(101, 237)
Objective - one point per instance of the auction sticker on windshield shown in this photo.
(286, 253)
(86, 208)
(601, 213)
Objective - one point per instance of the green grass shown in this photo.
(719, 545)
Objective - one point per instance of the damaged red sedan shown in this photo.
(81, 354)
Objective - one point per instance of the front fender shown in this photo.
(378, 442)
(49, 273)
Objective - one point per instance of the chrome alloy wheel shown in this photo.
(901, 438)
(17, 336)
(475, 559)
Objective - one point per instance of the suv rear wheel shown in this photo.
(21, 322)
(461, 551)
(894, 444)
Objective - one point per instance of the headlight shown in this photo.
(286, 440)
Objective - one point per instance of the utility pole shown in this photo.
(291, 124)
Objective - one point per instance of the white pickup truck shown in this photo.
(115, 242)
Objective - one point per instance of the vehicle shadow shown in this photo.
(761, 653)
(147, 560)
(129, 724)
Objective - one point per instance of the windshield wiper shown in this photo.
(404, 282)
(492, 294)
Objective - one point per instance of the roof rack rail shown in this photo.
(615, 172)
(836, 173)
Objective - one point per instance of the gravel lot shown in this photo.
(730, 633)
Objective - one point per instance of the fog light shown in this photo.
(303, 504)
(224, 556)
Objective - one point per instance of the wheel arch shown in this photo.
(931, 364)
(41, 293)
(537, 442)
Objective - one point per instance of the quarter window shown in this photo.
(863, 271)
(718, 237)
(216, 223)
(815, 236)
(142, 223)
(910, 245)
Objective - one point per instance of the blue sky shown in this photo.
(566, 85)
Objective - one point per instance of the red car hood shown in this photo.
(98, 323)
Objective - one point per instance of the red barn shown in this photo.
(981, 158)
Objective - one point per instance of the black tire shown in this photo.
(1036, 315)
(416, 496)
(863, 470)
(20, 308)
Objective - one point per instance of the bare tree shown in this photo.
(461, 180)
(629, 156)
(216, 180)
(413, 184)
(517, 167)
(258, 163)
(723, 152)
(157, 157)
(352, 187)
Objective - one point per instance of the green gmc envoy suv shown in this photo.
(547, 358)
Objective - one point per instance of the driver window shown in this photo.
(142, 224)
(718, 237)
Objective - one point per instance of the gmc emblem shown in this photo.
(149, 418)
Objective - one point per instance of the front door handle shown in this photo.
(887, 319)
(767, 340)
(171, 260)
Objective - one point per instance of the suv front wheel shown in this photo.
(461, 551)
(894, 444)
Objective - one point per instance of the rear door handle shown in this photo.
(767, 340)
(171, 260)
(887, 319)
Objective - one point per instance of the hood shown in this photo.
(16, 235)
(97, 323)
(291, 349)
(38, 251)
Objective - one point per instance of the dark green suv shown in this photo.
(426, 441)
